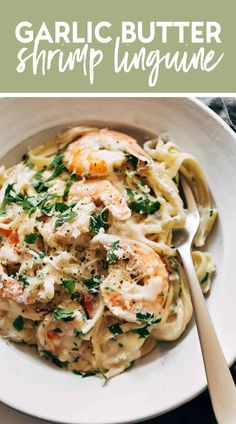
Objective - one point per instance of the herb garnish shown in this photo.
(85, 373)
(139, 203)
(175, 180)
(69, 183)
(142, 332)
(28, 203)
(61, 207)
(128, 174)
(58, 165)
(62, 313)
(57, 330)
(69, 285)
(57, 160)
(132, 160)
(99, 220)
(205, 278)
(93, 284)
(24, 279)
(77, 333)
(29, 165)
(66, 216)
(36, 181)
(31, 203)
(9, 196)
(25, 159)
(38, 256)
(54, 359)
(31, 238)
(115, 328)
(148, 318)
(47, 208)
(58, 171)
(112, 253)
(18, 324)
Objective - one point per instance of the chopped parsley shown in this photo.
(18, 324)
(40, 256)
(66, 216)
(112, 253)
(128, 174)
(99, 220)
(61, 207)
(147, 318)
(174, 179)
(53, 358)
(29, 165)
(142, 332)
(211, 212)
(205, 278)
(57, 330)
(30, 203)
(69, 183)
(85, 373)
(69, 285)
(65, 314)
(139, 203)
(115, 329)
(24, 279)
(36, 181)
(9, 196)
(57, 161)
(25, 159)
(58, 171)
(132, 160)
(77, 333)
(47, 208)
(31, 238)
(129, 365)
(58, 166)
(93, 284)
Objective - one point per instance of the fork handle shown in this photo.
(220, 382)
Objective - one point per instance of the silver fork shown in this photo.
(220, 383)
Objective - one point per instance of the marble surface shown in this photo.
(198, 410)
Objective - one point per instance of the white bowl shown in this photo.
(173, 373)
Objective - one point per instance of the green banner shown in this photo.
(103, 46)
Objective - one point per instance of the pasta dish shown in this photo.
(89, 275)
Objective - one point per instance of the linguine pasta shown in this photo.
(88, 271)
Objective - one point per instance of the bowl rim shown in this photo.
(201, 107)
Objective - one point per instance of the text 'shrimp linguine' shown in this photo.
(88, 272)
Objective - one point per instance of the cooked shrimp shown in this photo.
(137, 281)
(34, 312)
(98, 152)
(102, 191)
(13, 289)
(89, 194)
(27, 334)
(63, 336)
(9, 252)
(69, 232)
